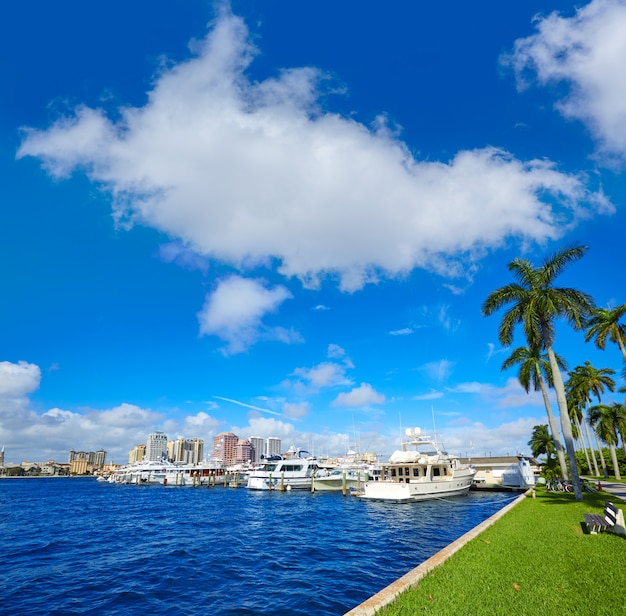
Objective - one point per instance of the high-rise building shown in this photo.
(137, 454)
(273, 446)
(156, 448)
(225, 447)
(257, 448)
(244, 452)
(189, 451)
(94, 458)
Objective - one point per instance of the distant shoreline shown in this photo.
(47, 476)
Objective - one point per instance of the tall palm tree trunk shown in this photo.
(554, 429)
(593, 451)
(566, 425)
(583, 444)
(614, 460)
(605, 471)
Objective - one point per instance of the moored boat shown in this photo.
(341, 480)
(169, 474)
(420, 471)
(282, 473)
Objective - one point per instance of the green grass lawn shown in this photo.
(535, 560)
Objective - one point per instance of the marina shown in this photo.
(149, 549)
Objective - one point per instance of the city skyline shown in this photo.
(283, 220)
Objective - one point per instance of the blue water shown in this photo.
(72, 546)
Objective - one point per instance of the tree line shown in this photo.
(534, 302)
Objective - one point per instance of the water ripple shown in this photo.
(109, 549)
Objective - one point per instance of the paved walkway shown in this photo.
(615, 489)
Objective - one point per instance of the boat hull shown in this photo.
(337, 482)
(397, 492)
(256, 482)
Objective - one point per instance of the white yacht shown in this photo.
(169, 474)
(139, 473)
(284, 473)
(341, 479)
(420, 471)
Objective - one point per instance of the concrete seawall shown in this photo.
(388, 594)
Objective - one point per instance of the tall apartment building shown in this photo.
(156, 447)
(225, 447)
(78, 466)
(94, 458)
(244, 453)
(272, 447)
(189, 451)
(257, 448)
(137, 454)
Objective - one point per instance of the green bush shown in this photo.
(581, 459)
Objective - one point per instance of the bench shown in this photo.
(612, 519)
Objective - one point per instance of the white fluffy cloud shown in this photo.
(588, 52)
(296, 410)
(256, 173)
(40, 436)
(18, 379)
(475, 439)
(512, 395)
(320, 376)
(363, 395)
(234, 312)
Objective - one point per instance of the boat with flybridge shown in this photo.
(293, 471)
(419, 471)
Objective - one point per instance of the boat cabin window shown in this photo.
(393, 472)
(436, 472)
(406, 471)
(291, 467)
(416, 471)
(270, 467)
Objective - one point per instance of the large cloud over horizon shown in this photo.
(256, 172)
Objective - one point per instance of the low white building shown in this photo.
(505, 471)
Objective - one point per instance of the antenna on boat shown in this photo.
(432, 410)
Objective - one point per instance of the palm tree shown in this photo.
(532, 366)
(605, 323)
(576, 405)
(541, 442)
(603, 419)
(584, 382)
(621, 420)
(536, 304)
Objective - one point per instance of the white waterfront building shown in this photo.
(257, 448)
(156, 448)
(273, 447)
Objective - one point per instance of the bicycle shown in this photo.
(559, 485)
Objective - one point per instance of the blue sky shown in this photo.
(282, 218)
